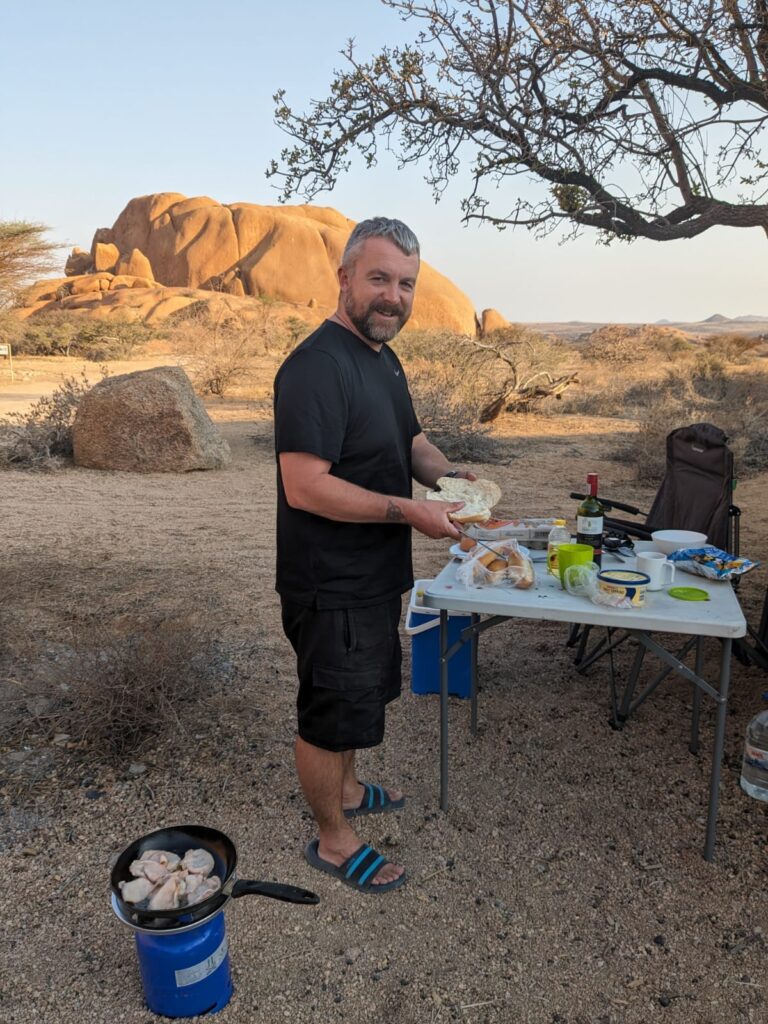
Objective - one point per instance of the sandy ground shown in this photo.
(565, 884)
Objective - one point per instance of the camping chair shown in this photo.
(695, 494)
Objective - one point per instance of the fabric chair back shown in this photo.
(697, 489)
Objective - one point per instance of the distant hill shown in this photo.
(750, 319)
(716, 318)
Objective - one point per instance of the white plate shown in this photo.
(456, 551)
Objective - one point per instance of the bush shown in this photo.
(620, 344)
(733, 348)
(42, 437)
(70, 334)
(705, 392)
(114, 693)
(448, 413)
(223, 347)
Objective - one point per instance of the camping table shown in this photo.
(720, 617)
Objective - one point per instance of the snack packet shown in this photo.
(711, 562)
(507, 563)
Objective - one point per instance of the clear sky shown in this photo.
(103, 102)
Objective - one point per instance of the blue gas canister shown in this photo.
(185, 970)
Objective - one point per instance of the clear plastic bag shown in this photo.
(476, 570)
(581, 581)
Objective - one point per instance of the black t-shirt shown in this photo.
(339, 399)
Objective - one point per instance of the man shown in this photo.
(348, 443)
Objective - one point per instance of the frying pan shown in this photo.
(178, 840)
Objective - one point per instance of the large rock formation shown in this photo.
(149, 421)
(289, 253)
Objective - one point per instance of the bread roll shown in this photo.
(471, 515)
(516, 560)
(497, 565)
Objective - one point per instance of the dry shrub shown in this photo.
(706, 392)
(488, 375)
(446, 397)
(112, 693)
(448, 412)
(619, 344)
(41, 438)
(225, 346)
(73, 334)
(733, 348)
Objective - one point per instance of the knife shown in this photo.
(481, 543)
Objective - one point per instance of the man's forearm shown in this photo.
(428, 464)
(328, 496)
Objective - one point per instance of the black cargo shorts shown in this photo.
(348, 663)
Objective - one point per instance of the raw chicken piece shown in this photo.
(192, 883)
(207, 887)
(137, 890)
(168, 860)
(151, 869)
(167, 896)
(198, 862)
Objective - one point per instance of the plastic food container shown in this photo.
(627, 583)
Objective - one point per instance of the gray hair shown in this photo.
(380, 227)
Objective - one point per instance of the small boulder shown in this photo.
(135, 264)
(78, 262)
(491, 320)
(149, 421)
(90, 283)
(105, 256)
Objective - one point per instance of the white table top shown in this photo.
(720, 616)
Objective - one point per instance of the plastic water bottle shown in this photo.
(754, 768)
(559, 534)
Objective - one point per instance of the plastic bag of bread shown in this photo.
(506, 564)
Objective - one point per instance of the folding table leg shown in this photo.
(717, 753)
(443, 710)
(693, 746)
(474, 619)
(631, 684)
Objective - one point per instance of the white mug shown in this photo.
(654, 563)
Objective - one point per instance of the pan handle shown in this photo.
(275, 890)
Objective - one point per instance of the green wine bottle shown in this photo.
(589, 520)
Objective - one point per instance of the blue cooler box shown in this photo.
(423, 627)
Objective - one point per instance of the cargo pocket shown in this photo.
(370, 627)
(350, 706)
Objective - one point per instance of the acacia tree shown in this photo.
(640, 118)
(24, 253)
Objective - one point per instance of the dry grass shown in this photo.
(447, 397)
(42, 437)
(619, 345)
(108, 692)
(225, 349)
(706, 392)
(734, 348)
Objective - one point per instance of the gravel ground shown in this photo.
(565, 885)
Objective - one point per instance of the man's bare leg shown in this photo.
(352, 790)
(321, 774)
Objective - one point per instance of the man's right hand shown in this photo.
(431, 518)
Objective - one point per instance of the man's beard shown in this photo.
(379, 333)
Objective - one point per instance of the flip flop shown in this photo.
(375, 800)
(357, 871)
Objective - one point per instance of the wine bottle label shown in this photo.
(591, 525)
